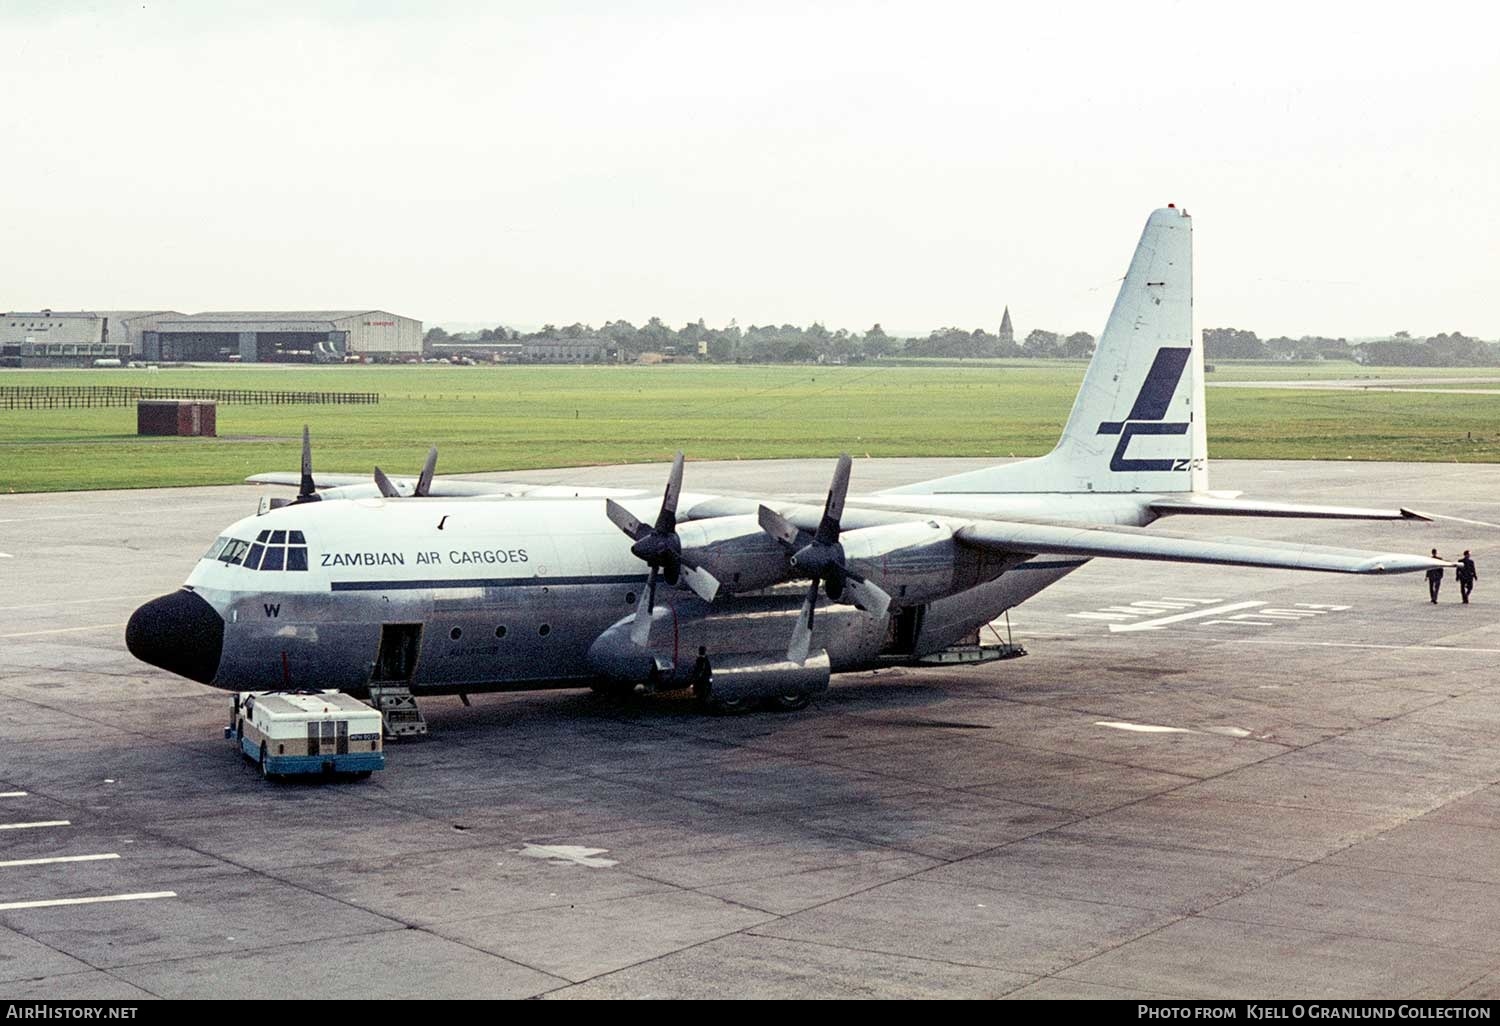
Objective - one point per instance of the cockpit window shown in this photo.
(271, 550)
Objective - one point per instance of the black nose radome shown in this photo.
(178, 632)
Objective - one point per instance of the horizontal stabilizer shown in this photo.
(1208, 505)
(1134, 543)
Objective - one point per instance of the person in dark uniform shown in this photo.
(1434, 578)
(1466, 576)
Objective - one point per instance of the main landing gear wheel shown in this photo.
(789, 703)
(727, 707)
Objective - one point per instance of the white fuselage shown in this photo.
(511, 593)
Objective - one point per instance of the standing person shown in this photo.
(1466, 576)
(1434, 578)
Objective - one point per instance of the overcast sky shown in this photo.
(915, 164)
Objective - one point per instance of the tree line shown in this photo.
(786, 343)
(1453, 349)
(790, 343)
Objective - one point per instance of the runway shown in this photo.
(1202, 782)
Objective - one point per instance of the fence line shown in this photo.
(48, 397)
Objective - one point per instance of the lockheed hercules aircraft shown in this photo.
(425, 586)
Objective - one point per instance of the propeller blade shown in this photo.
(704, 584)
(833, 509)
(424, 482)
(777, 526)
(833, 582)
(307, 487)
(625, 520)
(389, 490)
(666, 520)
(802, 633)
(869, 597)
(640, 627)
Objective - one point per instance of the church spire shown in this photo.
(1007, 333)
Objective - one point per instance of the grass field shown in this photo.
(504, 418)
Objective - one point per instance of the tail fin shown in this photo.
(1138, 422)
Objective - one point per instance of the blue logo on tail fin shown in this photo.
(1150, 407)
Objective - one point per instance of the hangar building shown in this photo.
(323, 336)
(77, 334)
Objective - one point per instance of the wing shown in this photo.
(1038, 537)
(319, 480)
(1219, 506)
(1135, 543)
(345, 486)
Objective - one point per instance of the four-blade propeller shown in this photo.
(659, 547)
(822, 561)
(424, 480)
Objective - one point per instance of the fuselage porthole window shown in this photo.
(544, 630)
(500, 631)
(456, 633)
(630, 598)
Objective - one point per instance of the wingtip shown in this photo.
(1411, 514)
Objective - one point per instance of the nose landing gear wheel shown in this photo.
(788, 703)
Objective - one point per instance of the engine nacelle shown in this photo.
(765, 675)
(740, 555)
(911, 562)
